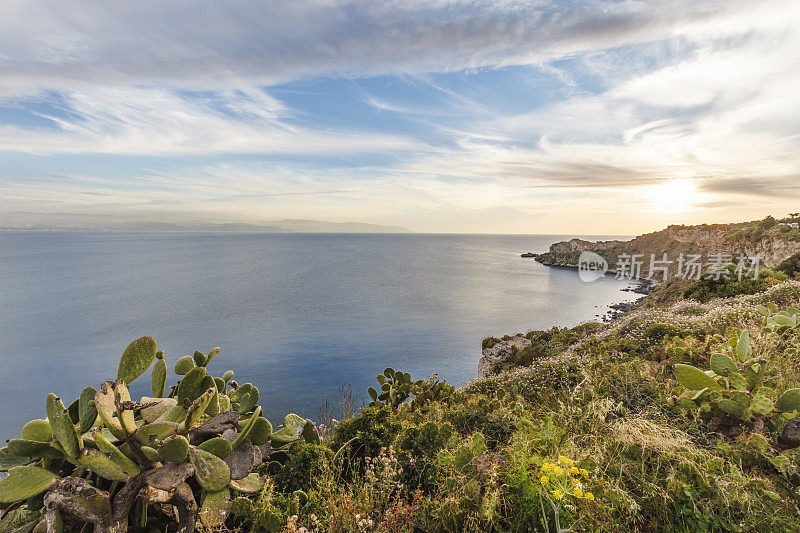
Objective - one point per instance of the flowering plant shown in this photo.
(563, 483)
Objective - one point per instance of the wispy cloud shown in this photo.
(134, 120)
(211, 44)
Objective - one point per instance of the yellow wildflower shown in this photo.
(589, 496)
(585, 473)
(557, 470)
(578, 492)
(574, 470)
(545, 480)
(557, 494)
(566, 460)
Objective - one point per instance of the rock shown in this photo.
(240, 460)
(217, 424)
(500, 352)
(169, 476)
(229, 435)
(257, 457)
(790, 437)
(266, 449)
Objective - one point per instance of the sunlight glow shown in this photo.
(673, 195)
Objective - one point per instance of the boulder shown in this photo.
(500, 352)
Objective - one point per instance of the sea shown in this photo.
(298, 315)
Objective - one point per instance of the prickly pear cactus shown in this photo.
(738, 385)
(144, 453)
(395, 388)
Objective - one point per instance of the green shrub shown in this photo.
(419, 447)
(708, 287)
(307, 463)
(476, 412)
(791, 266)
(656, 334)
(488, 342)
(365, 434)
(107, 437)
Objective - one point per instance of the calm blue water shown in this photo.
(298, 315)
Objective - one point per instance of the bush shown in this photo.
(306, 465)
(364, 435)
(419, 447)
(791, 266)
(709, 288)
(656, 334)
(476, 412)
(488, 342)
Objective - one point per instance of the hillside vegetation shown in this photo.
(679, 416)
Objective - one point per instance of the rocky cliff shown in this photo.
(499, 352)
(767, 238)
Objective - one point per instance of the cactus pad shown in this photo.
(199, 358)
(184, 365)
(136, 358)
(114, 453)
(24, 482)
(151, 454)
(150, 433)
(195, 413)
(218, 446)
(693, 378)
(63, 429)
(158, 376)
(211, 355)
(38, 431)
(174, 449)
(211, 472)
(169, 476)
(248, 427)
(190, 387)
(156, 407)
(789, 401)
(722, 364)
(9, 460)
(87, 412)
(249, 484)
(215, 508)
(261, 431)
(33, 449)
(762, 403)
(106, 400)
(310, 433)
(103, 465)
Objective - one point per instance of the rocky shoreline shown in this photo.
(502, 350)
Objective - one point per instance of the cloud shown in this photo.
(158, 121)
(206, 44)
(724, 114)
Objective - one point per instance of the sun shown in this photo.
(677, 194)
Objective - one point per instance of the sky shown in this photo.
(585, 117)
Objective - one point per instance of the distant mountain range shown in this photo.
(86, 222)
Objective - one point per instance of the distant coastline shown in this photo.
(81, 222)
